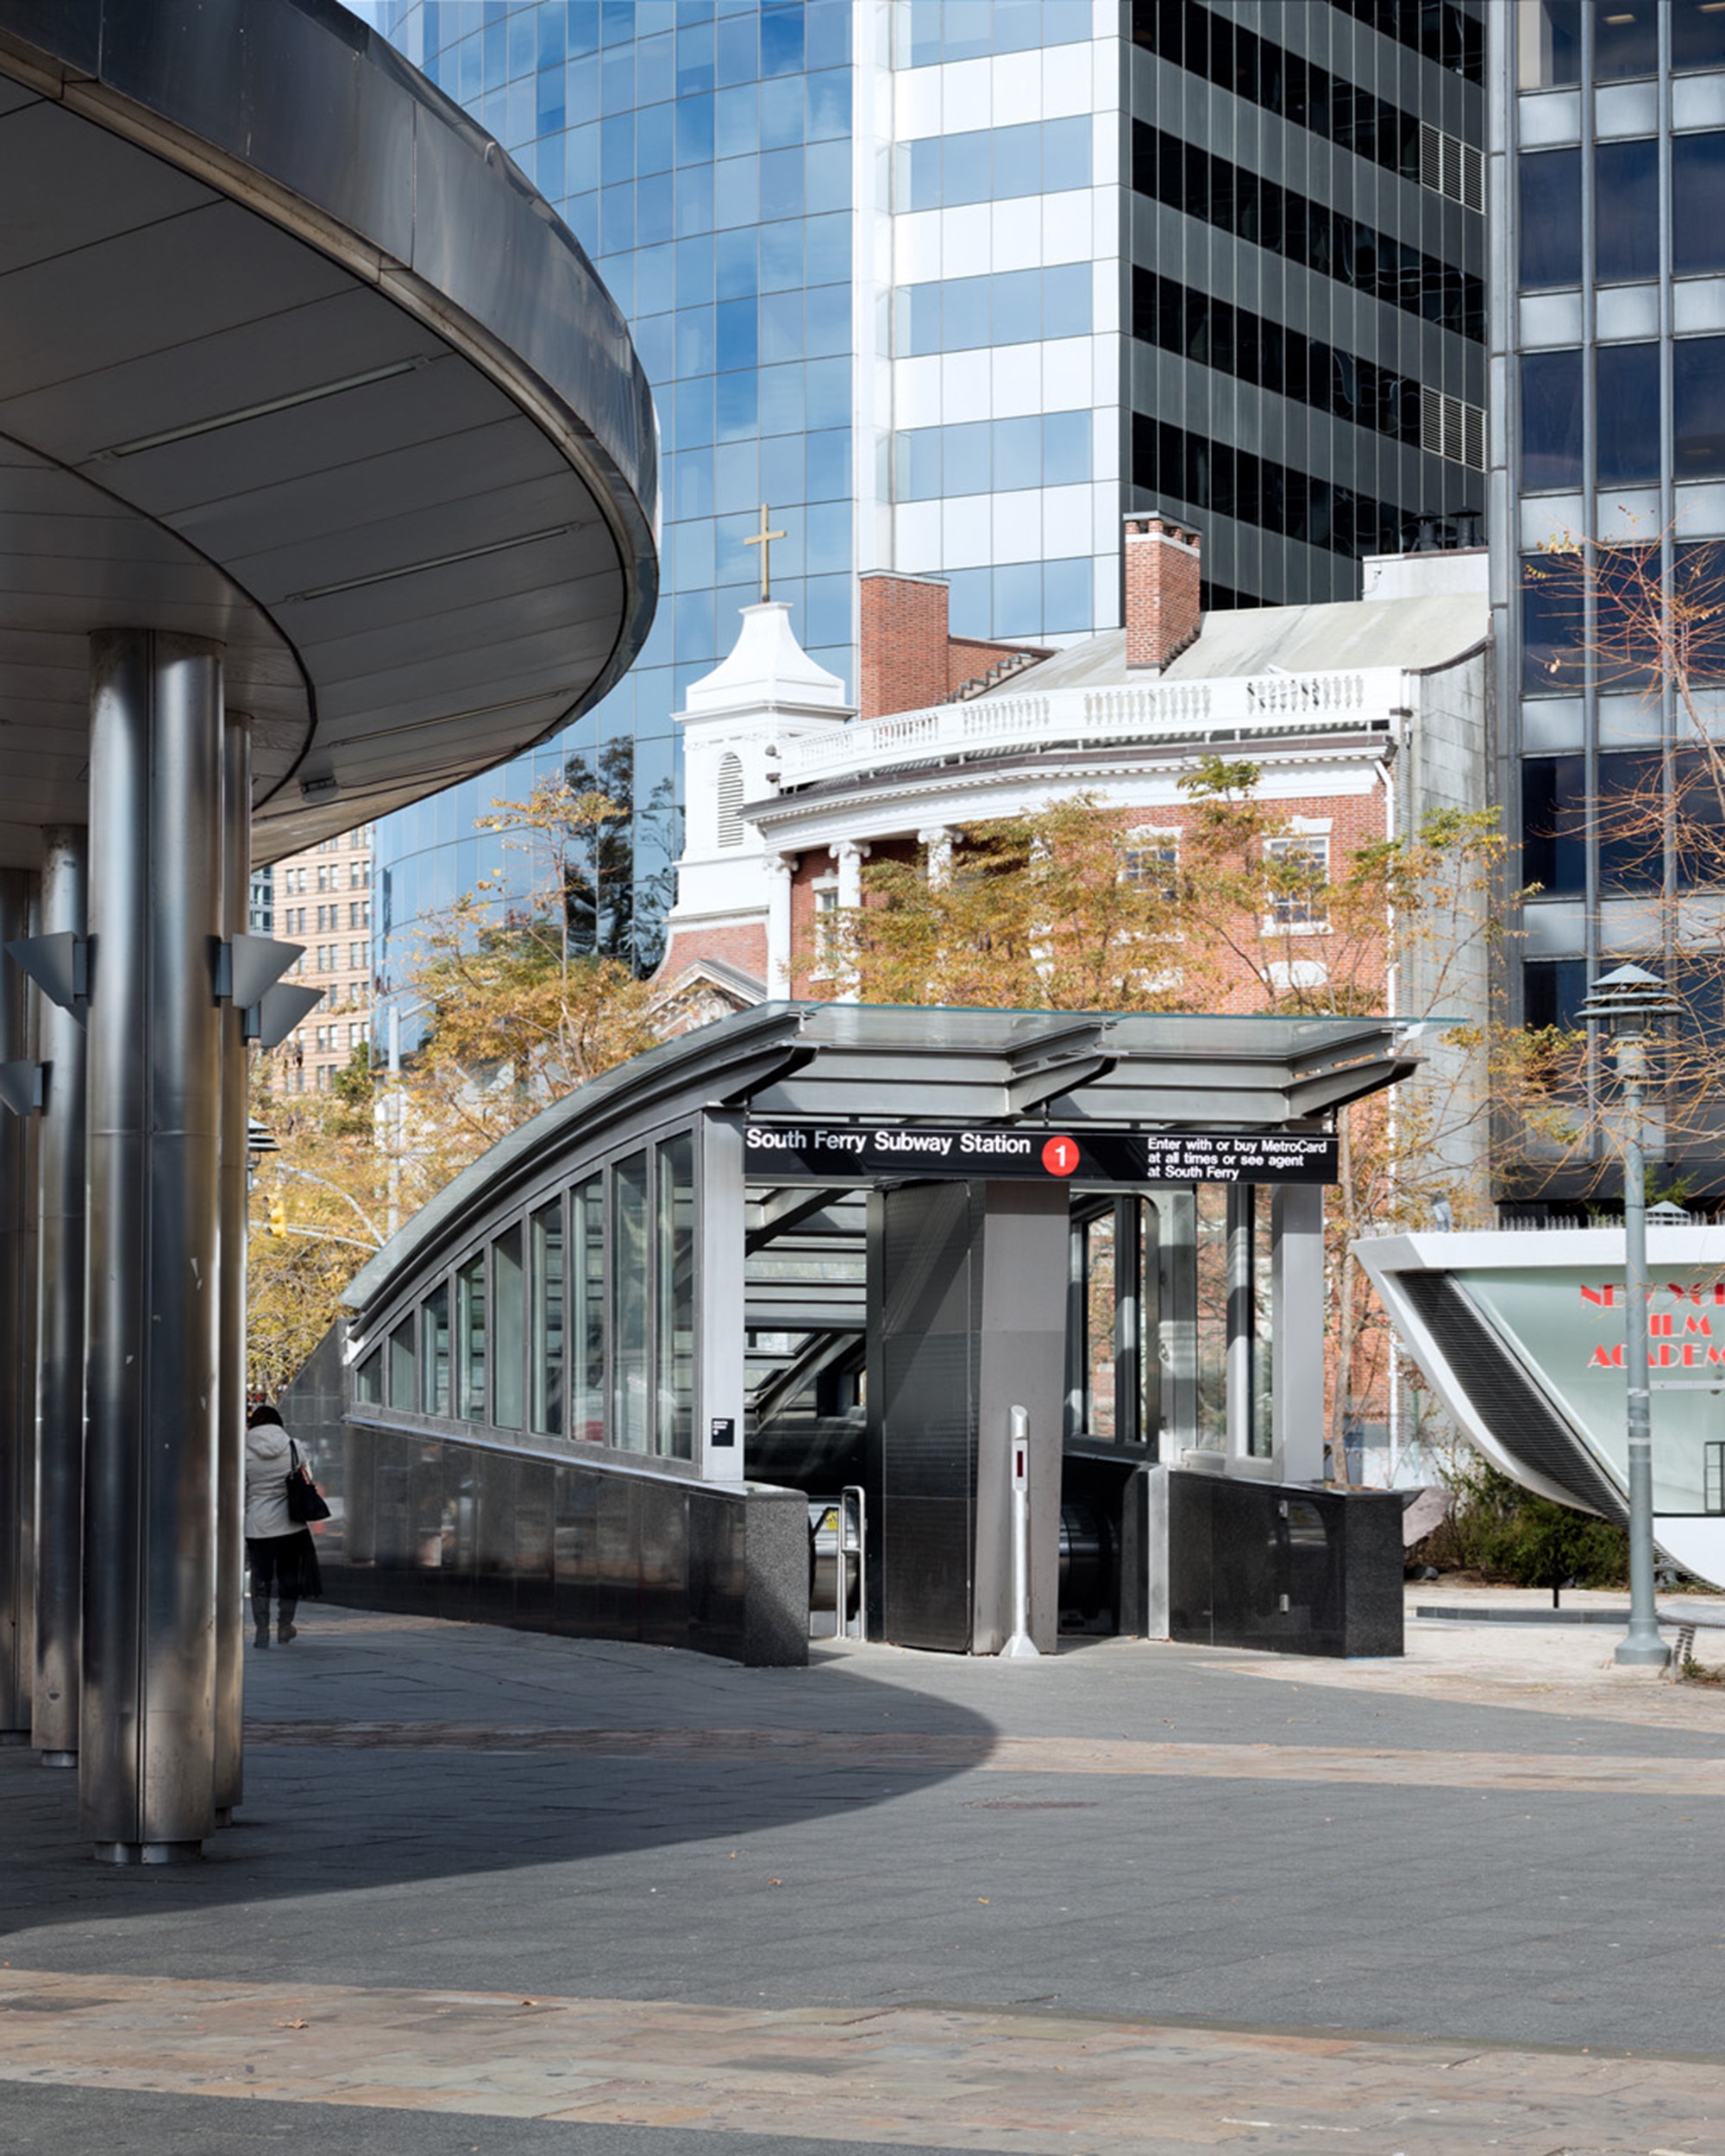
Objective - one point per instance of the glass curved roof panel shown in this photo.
(870, 1062)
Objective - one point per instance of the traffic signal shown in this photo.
(277, 1215)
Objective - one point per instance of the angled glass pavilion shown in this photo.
(816, 1245)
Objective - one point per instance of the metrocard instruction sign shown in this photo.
(870, 1152)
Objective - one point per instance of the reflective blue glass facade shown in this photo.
(701, 151)
(951, 284)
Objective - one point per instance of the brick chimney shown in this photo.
(1162, 562)
(904, 640)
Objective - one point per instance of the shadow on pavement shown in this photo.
(391, 1752)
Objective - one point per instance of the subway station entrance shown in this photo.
(811, 1248)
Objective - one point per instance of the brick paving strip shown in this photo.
(1565, 1773)
(931, 2074)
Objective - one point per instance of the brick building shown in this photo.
(1363, 717)
(322, 899)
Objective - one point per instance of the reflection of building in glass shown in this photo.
(953, 286)
(322, 899)
(1608, 154)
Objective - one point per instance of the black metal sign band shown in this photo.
(872, 1152)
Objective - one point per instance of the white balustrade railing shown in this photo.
(1080, 717)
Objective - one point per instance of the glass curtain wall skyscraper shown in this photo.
(952, 284)
(1607, 328)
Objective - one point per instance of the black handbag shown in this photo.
(305, 1499)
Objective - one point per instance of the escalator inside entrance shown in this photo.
(890, 1329)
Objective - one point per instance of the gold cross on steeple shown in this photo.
(764, 539)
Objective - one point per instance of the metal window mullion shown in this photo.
(1667, 474)
(1128, 1321)
(1590, 471)
(607, 1305)
(1077, 1326)
(656, 1274)
(487, 1414)
(565, 1202)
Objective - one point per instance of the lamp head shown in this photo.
(1627, 1001)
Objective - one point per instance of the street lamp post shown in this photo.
(1628, 1003)
(397, 1106)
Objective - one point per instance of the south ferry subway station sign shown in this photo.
(868, 1152)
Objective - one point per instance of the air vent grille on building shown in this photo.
(1450, 166)
(730, 801)
(1448, 427)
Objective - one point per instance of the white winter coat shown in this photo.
(267, 1460)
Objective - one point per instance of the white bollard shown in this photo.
(1020, 1647)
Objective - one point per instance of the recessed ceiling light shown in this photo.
(263, 411)
(437, 562)
(1619, 18)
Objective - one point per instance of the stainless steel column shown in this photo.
(1177, 1331)
(1242, 1318)
(230, 1421)
(1297, 1275)
(17, 1341)
(721, 1381)
(59, 1326)
(146, 1755)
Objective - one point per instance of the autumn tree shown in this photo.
(521, 990)
(316, 1214)
(1075, 905)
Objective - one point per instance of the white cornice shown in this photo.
(782, 819)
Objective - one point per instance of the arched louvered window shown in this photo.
(730, 800)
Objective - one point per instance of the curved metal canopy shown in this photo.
(291, 356)
(844, 1062)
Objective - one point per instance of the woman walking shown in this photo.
(281, 1555)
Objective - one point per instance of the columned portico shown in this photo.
(780, 870)
(848, 856)
(937, 842)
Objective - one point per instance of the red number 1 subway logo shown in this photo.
(1060, 1156)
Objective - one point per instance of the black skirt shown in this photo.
(286, 1562)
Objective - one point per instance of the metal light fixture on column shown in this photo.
(1627, 1003)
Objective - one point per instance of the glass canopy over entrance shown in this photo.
(811, 1241)
(657, 1257)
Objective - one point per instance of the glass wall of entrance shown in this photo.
(712, 1270)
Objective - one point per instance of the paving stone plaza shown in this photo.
(506, 1894)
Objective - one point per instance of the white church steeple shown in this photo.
(736, 721)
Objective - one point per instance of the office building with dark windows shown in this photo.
(953, 286)
(1608, 334)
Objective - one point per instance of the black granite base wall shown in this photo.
(492, 1535)
(1283, 1569)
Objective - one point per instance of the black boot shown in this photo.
(261, 1618)
(283, 1628)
